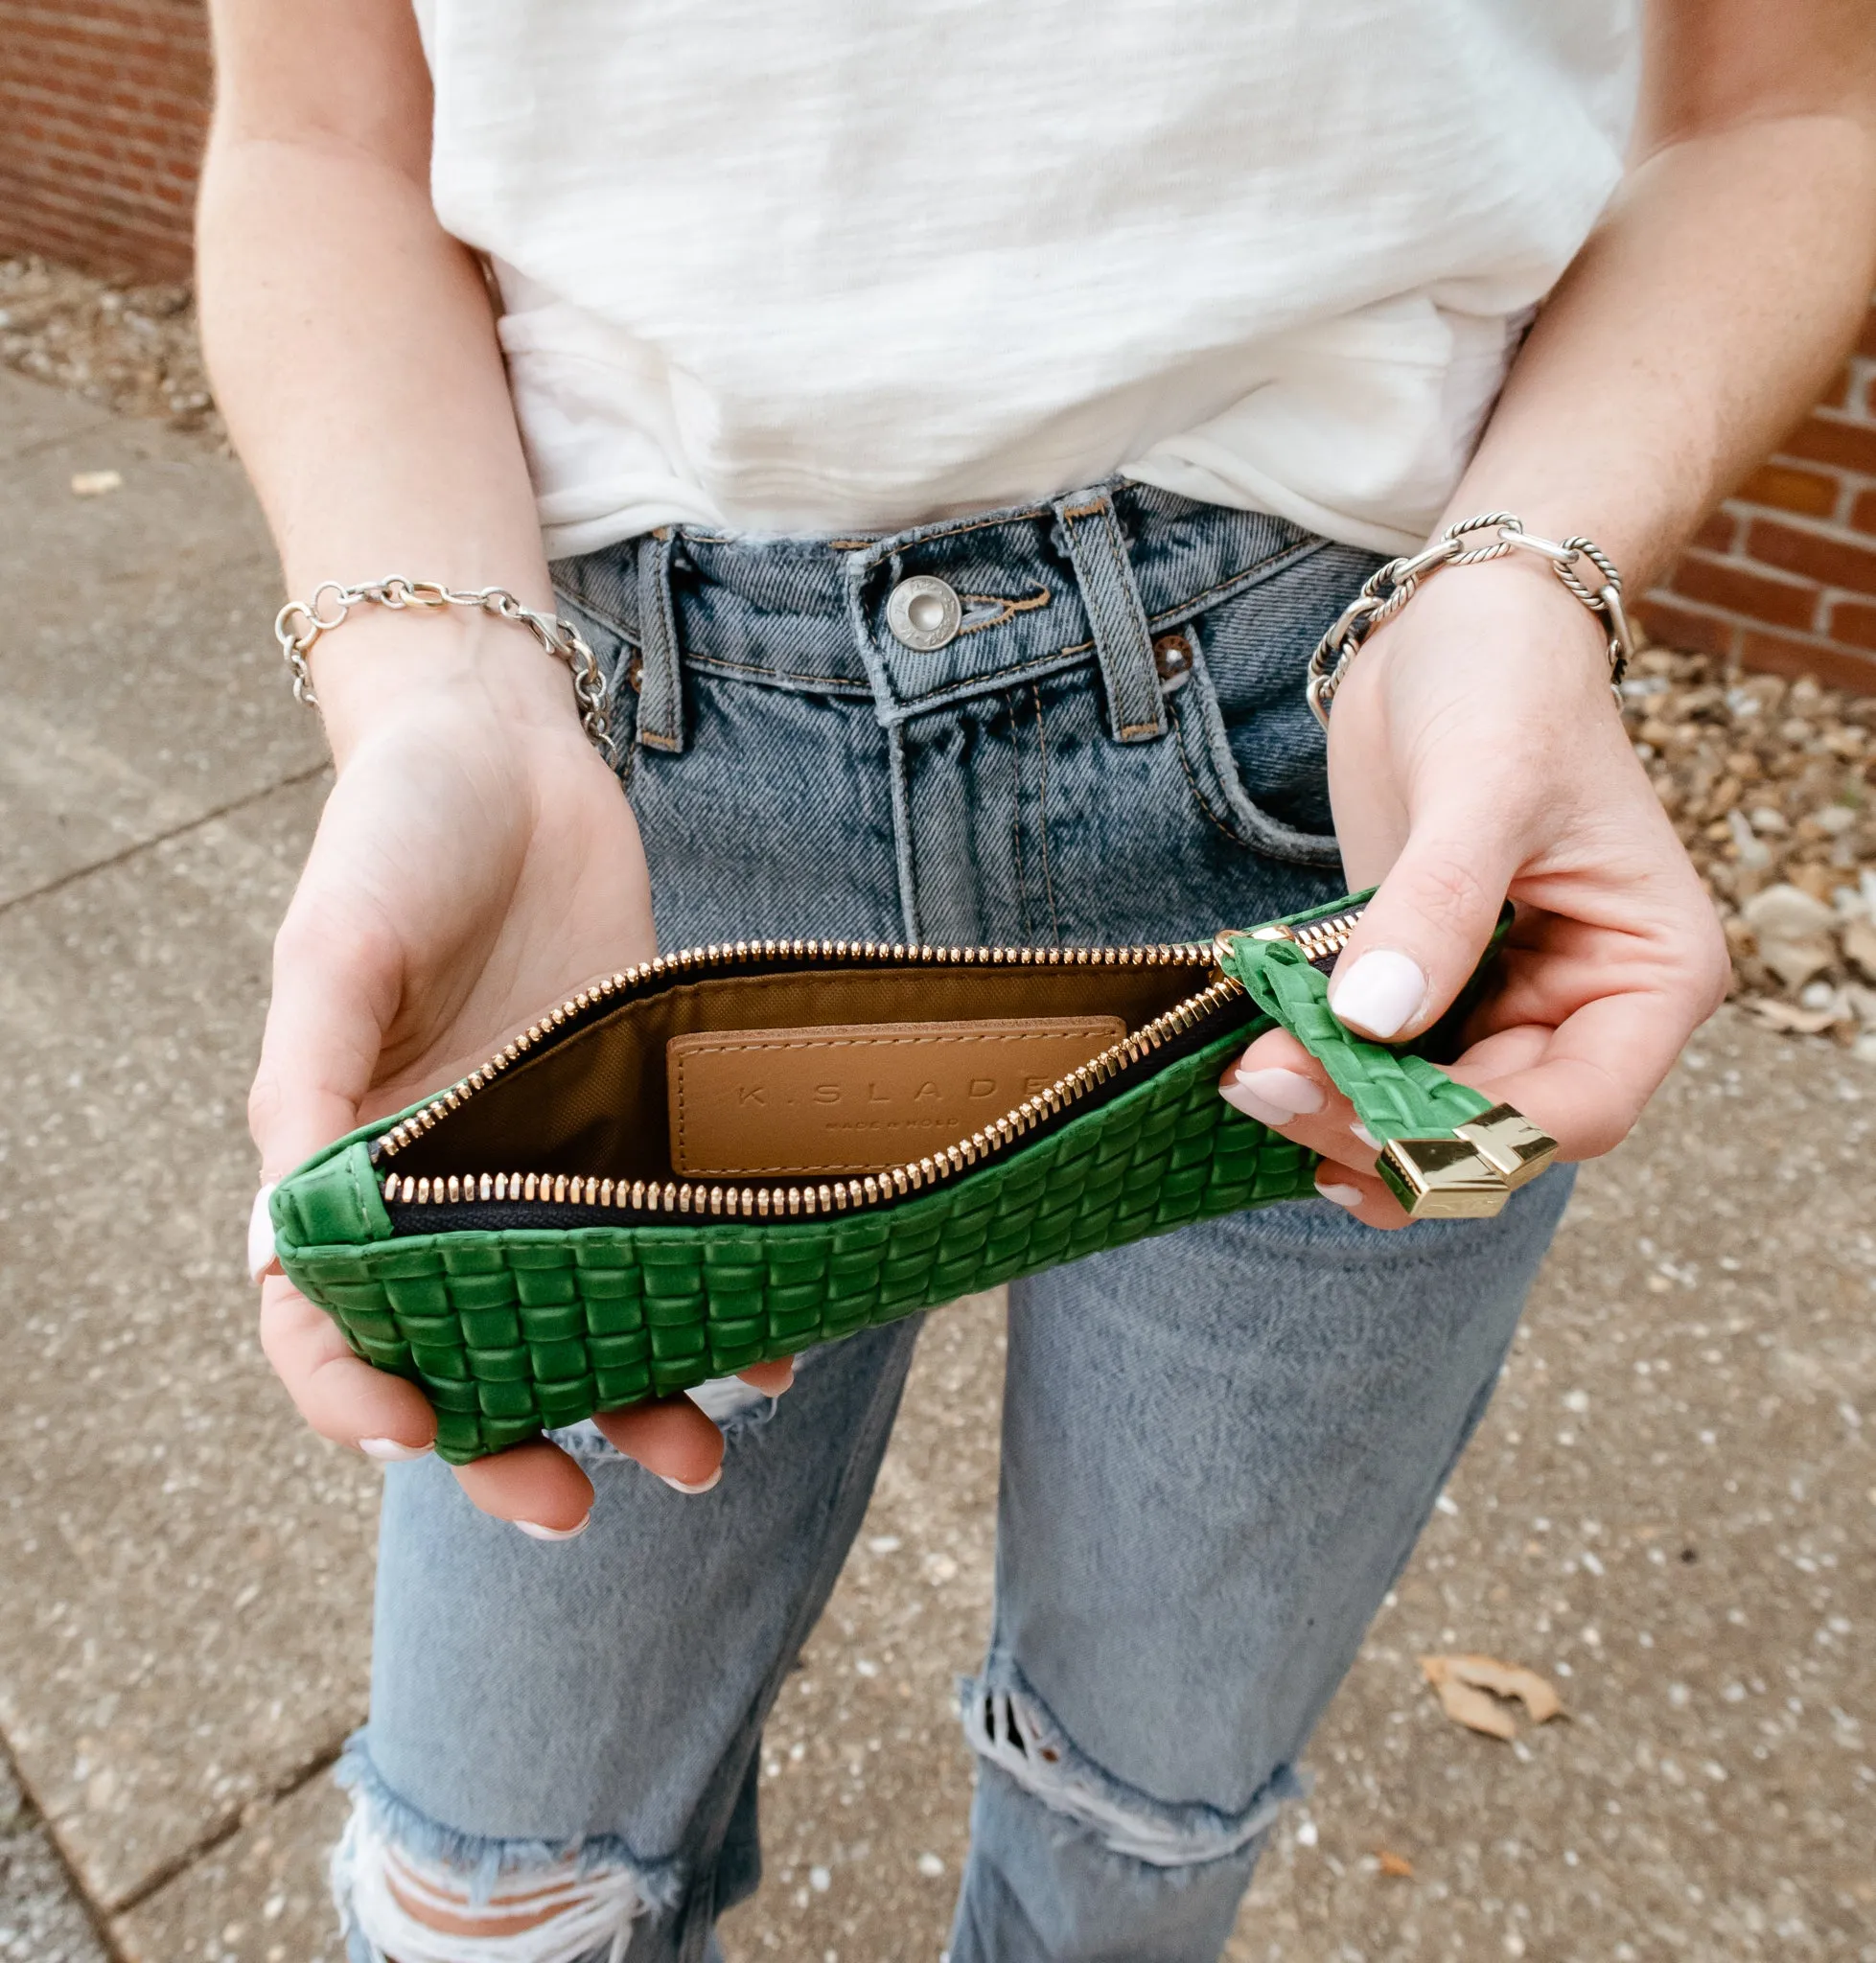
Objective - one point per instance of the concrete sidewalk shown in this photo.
(1671, 1511)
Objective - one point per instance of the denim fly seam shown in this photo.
(1006, 1722)
(1110, 601)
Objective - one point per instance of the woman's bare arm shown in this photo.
(1473, 749)
(1728, 278)
(353, 344)
(475, 859)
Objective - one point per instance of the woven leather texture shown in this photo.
(510, 1332)
(1395, 1094)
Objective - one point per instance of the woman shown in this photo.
(1141, 332)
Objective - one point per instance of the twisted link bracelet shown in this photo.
(1390, 586)
(299, 624)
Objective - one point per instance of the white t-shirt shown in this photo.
(801, 266)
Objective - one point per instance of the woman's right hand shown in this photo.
(475, 860)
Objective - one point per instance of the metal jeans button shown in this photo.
(923, 613)
(1172, 659)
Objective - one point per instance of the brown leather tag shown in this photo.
(862, 1096)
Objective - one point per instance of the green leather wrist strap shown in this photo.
(1447, 1150)
(1395, 1094)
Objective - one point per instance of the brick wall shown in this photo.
(103, 109)
(1783, 576)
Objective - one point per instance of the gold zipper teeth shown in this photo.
(1319, 939)
(837, 1196)
(621, 984)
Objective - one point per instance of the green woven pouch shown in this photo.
(528, 1300)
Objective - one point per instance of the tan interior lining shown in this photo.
(596, 1103)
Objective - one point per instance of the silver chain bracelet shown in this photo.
(299, 624)
(1390, 586)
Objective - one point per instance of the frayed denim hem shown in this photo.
(482, 1861)
(1008, 1723)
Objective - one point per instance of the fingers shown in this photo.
(1588, 1016)
(321, 1044)
(1279, 1084)
(1362, 1195)
(771, 1379)
(340, 1395)
(1585, 1081)
(679, 1441)
(262, 1259)
(671, 1438)
(535, 1485)
(343, 1398)
(1422, 935)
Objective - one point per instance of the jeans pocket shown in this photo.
(1255, 756)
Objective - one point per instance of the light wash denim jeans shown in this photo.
(1218, 1446)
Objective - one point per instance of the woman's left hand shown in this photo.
(1475, 753)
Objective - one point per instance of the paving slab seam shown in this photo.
(40, 445)
(224, 1831)
(93, 1914)
(180, 831)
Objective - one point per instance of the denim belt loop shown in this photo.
(1136, 708)
(660, 686)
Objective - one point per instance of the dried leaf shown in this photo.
(1859, 945)
(1788, 1016)
(1471, 1690)
(95, 483)
(1475, 1710)
(1796, 962)
(1395, 1864)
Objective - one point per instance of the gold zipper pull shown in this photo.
(1321, 940)
(1225, 935)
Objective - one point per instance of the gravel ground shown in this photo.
(132, 348)
(41, 1919)
(1768, 782)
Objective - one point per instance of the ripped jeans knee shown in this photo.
(1008, 1725)
(409, 1890)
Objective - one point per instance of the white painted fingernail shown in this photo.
(1380, 994)
(1340, 1195)
(1366, 1137)
(1251, 1105)
(1288, 1090)
(387, 1451)
(536, 1532)
(682, 1486)
(261, 1257)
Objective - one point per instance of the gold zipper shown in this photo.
(1319, 939)
(808, 1199)
(615, 987)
